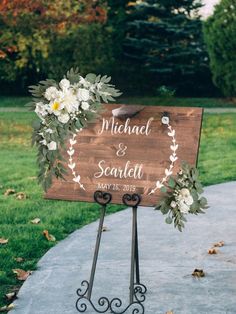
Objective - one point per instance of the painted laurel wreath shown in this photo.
(159, 184)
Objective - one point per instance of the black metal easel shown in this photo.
(137, 290)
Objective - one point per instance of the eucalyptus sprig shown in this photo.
(63, 108)
(182, 196)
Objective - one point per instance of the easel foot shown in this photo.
(114, 305)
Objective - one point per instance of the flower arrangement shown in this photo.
(182, 196)
(64, 108)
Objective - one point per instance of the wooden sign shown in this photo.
(129, 149)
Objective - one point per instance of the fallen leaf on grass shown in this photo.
(3, 241)
(10, 296)
(21, 196)
(48, 236)
(35, 221)
(7, 308)
(19, 259)
(213, 251)
(219, 244)
(32, 178)
(198, 273)
(21, 274)
(9, 192)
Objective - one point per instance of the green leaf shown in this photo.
(168, 220)
(171, 182)
(163, 189)
(91, 77)
(203, 201)
(36, 124)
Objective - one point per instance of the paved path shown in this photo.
(168, 258)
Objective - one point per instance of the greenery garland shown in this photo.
(182, 196)
(63, 109)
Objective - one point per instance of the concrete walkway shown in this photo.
(167, 256)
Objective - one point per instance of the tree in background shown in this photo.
(220, 35)
(30, 28)
(165, 37)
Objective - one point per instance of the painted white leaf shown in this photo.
(173, 158)
(172, 133)
(72, 142)
(77, 179)
(71, 166)
(70, 152)
(174, 147)
(159, 184)
(168, 172)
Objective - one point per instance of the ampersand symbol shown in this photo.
(121, 150)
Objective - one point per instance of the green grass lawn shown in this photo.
(149, 101)
(18, 171)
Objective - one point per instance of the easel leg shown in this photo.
(97, 246)
(136, 252)
(133, 254)
(137, 290)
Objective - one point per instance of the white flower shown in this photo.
(64, 118)
(51, 93)
(85, 105)
(184, 208)
(64, 84)
(43, 142)
(165, 120)
(173, 204)
(184, 200)
(41, 109)
(56, 107)
(69, 101)
(52, 145)
(185, 195)
(83, 94)
(48, 130)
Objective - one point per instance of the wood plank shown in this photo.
(102, 155)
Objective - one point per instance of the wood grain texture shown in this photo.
(152, 151)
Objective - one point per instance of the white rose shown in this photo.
(184, 193)
(52, 145)
(83, 94)
(85, 105)
(51, 93)
(64, 84)
(184, 208)
(64, 118)
(189, 200)
(41, 109)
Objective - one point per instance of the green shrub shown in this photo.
(220, 37)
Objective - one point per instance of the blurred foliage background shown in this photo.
(142, 44)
